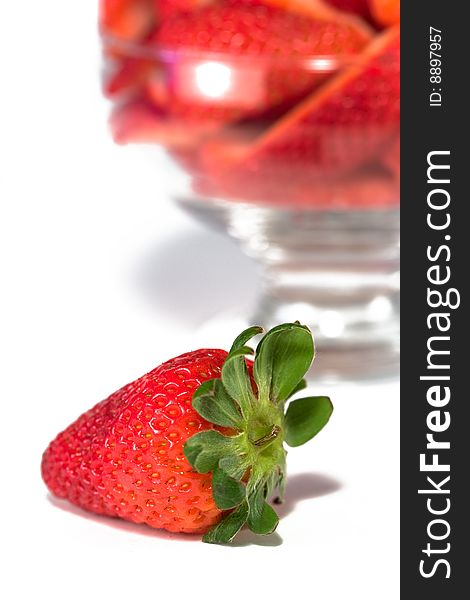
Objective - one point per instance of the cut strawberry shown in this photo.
(140, 122)
(188, 159)
(329, 10)
(385, 12)
(355, 7)
(368, 188)
(337, 129)
(166, 9)
(136, 122)
(130, 76)
(391, 157)
(156, 90)
(127, 19)
(215, 54)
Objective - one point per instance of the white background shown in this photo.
(99, 272)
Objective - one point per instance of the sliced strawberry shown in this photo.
(368, 188)
(127, 19)
(188, 159)
(335, 130)
(329, 10)
(355, 7)
(385, 12)
(166, 9)
(130, 75)
(156, 90)
(191, 158)
(215, 54)
(391, 157)
(140, 122)
(135, 122)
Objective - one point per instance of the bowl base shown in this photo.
(334, 271)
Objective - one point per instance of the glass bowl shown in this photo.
(297, 158)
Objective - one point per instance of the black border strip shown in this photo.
(428, 129)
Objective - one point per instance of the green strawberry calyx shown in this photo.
(247, 458)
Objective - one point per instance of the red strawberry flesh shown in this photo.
(300, 129)
(357, 7)
(338, 129)
(347, 120)
(273, 43)
(127, 19)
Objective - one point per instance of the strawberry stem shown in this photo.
(269, 437)
(249, 465)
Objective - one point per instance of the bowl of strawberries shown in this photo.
(282, 119)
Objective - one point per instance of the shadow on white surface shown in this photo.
(248, 538)
(306, 486)
(300, 487)
(196, 274)
(303, 486)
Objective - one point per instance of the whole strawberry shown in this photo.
(196, 445)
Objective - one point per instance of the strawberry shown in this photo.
(166, 9)
(336, 129)
(356, 7)
(385, 12)
(196, 445)
(371, 187)
(129, 76)
(138, 121)
(127, 19)
(391, 157)
(344, 11)
(216, 52)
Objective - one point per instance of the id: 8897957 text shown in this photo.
(435, 66)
